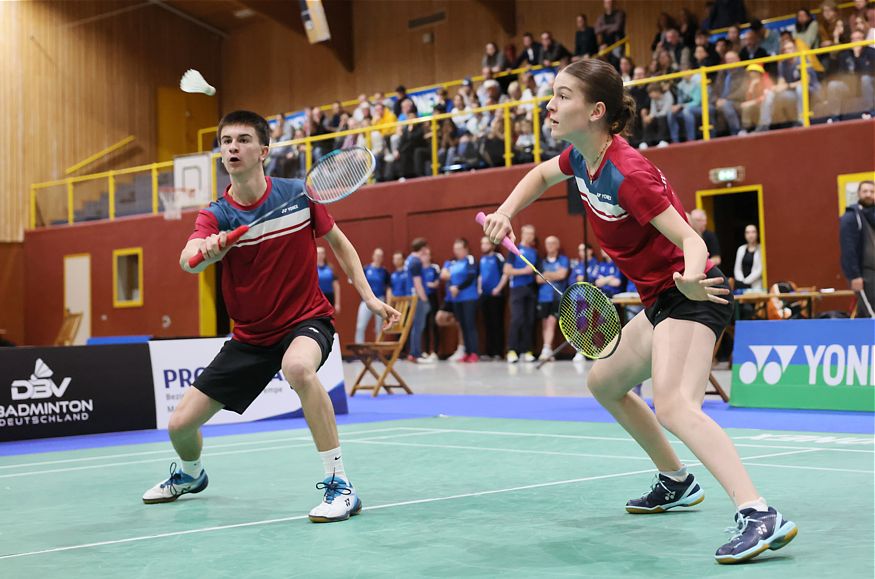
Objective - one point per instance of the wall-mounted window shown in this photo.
(127, 277)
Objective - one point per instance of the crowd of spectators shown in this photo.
(740, 100)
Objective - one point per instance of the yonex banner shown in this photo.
(74, 390)
(819, 364)
(176, 364)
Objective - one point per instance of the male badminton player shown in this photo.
(640, 223)
(282, 320)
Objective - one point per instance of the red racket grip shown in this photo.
(506, 242)
(230, 240)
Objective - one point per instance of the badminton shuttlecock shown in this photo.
(41, 370)
(193, 81)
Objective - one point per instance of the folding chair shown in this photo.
(69, 327)
(385, 350)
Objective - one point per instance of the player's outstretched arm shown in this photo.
(530, 187)
(352, 267)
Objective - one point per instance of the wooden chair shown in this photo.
(385, 350)
(69, 327)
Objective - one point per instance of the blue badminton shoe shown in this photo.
(667, 493)
(339, 502)
(755, 532)
(174, 487)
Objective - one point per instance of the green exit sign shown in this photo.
(726, 174)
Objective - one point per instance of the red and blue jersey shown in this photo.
(626, 193)
(269, 279)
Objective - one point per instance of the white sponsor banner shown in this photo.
(176, 364)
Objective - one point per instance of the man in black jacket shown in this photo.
(857, 240)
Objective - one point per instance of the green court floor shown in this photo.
(444, 497)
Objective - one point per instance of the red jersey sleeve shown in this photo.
(644, 195)
(205, 225)
(322, 220)
(565, 161)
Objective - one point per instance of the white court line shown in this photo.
(621, 439)
(869, 472)
(374, 508)
(164, 451)
(170, 458)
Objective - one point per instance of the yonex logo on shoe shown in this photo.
(772, 371)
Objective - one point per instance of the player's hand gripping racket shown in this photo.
(587, 317)
(337, 175)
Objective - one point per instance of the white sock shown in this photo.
(760, 504)
(679, 475)
(332, 462)
(192, 468)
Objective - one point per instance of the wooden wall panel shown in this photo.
(79, 86)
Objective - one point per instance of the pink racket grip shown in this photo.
(506, 242)
(230, 240)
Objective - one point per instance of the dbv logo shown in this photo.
(772, 370)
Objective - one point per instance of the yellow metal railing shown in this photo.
(109, 178)
(100, 154)
(624, 42)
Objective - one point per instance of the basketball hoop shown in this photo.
(174, 199)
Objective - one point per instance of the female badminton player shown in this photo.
(640, 223)
(282, 319)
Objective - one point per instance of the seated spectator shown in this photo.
(342, 126)
(788, 89)
(466, 154)
(721, 47)
(627, 68)
(492, 145)
(862, 18)
(688, 107)
(316, 128)
(655, 120)
(276, 156)
(701, 57)
(448, 135)
(553, 51)
(768, 39)
(400, 95)
(758, 85)
(296, 157)
(515, 94)
(383, 116)
(408, 110)
(831, 26)
(333, 122)
(730, 88)
(493, 59)
(733, 37)
(662, 64)
(688, 26)
(806, 29)
(460, 114)
(642, 102)
(585, 42)
(524, 145)
(530, 55)
(674, 46)
(850, 86)
(751, 48)
(467, 92)
(748, 261)
(664, 23)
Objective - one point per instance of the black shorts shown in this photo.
(448, 307)
(239, 372)
(671, 303)
(545, 309)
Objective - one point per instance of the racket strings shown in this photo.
(336, 175)
(589, 320)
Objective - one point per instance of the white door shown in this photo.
(77, 292)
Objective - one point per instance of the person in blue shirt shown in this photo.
(414, 269)
(492, 283)
(446, 316)
(399, 281)
(555, 267)
(523, 296)
(463, 287)
(327, 280)
(378, 279)
(431, 274)
(609, 279)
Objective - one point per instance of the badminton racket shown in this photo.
(336, 176)
(587, 317)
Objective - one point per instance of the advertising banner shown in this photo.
(74, 390)
(176, 364)
(817, 364)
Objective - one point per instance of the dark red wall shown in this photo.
(797, 169)
(12, 291)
